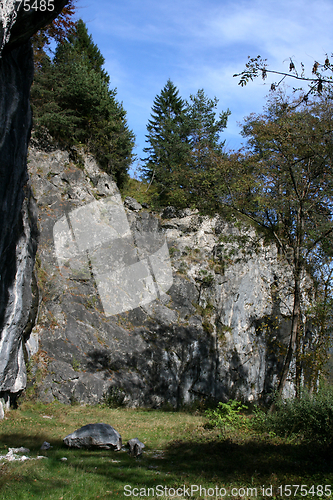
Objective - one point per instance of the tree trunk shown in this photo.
(298, 366)
(293, 337)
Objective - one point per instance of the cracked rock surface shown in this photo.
(214, 334)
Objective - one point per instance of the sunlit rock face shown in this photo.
(211, 330)
(203, 320)
(18, 230)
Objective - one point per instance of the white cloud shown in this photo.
(201, 44)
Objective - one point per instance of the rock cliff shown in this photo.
(17, 212)
(217, 332)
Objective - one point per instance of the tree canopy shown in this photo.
(168, 149)
(283, 183)
(57, 31)
(184, 140)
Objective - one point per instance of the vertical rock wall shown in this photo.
(18, 234)
(216, 333)
(17, 226)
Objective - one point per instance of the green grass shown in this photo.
(179, 451)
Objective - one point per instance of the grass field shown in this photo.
(180, 454)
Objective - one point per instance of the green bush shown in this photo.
(309, 417)
(114, 397)
(227, 415)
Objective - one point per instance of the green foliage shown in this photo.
(227, 415)
(184, 145)
(206, 150)
(71, 100)
(207, 326)
(76, 364)
(142, 191)
(206, 278)
(168, 150)
(283, 183)
(309, 417)
(114, 397)
(173, 251)
(205, 128)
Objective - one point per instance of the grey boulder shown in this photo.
(94, 435)
(132, 204)
(135, 447)
(169, 213)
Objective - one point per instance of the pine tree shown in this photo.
(206, 149)
(205, 128)
(72, 101)
(169, 149)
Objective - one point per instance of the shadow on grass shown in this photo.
(181, 462)
(225, 459)
(33, 442)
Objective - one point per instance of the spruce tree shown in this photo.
(205, 128)
(169, 150)
(184, 147)
(80, 46)
(72, 101)
(206, 149)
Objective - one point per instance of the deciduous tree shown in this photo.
(321, 74)
(283, 183)
(57, 32)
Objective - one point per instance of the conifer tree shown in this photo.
(79, 46)
(205, 128)
(169, 148)
(72, 101)
(184, 147)
(206, 149)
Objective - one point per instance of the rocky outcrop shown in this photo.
(217, 332)
(17, 209)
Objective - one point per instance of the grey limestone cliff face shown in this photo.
(217, 332)
(17, 210)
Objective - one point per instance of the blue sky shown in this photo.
(201, 44)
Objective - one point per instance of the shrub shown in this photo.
(114, 397)
(309, 417)
(227, 415)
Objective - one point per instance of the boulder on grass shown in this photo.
(135, 447)
(94, 436)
